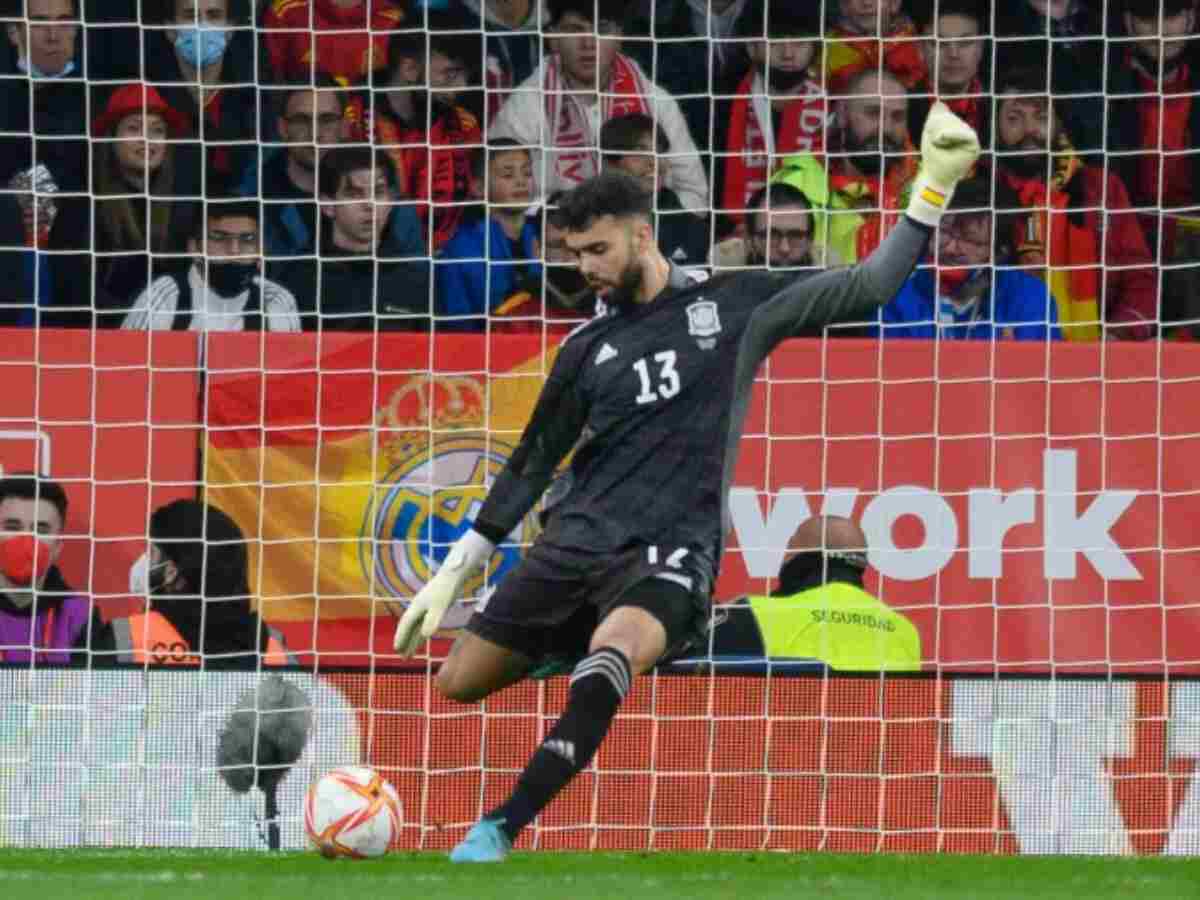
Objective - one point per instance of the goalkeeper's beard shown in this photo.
(624, 292)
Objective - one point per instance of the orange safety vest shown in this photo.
(150, 637)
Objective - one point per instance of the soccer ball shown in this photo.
(352, 812)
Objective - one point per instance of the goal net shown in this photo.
(299, 263)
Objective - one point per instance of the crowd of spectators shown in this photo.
(392, 164)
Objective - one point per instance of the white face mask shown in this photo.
(139, 576)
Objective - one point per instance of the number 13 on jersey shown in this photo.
(667, 378)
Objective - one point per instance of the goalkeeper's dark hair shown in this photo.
(28, 486)
(206, 546)
(611, 193)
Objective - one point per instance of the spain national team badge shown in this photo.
(703, 323)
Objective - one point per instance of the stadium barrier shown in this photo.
(903, 763)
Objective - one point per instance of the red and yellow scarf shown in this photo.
(1067, 253)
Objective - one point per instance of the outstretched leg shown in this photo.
(628, 642)
(477, 668)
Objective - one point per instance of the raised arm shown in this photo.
(842, 295)
(949, 148)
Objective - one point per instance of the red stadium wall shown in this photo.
(956, 763)
(809, 763)
(117, 414)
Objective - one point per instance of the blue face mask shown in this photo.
(201, 47)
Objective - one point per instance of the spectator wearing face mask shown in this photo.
(195, 577)
(42, 619)
(222, 289)
(203, 66)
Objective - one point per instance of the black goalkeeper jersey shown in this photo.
(654, 397)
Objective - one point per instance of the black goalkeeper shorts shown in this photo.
(548, 606)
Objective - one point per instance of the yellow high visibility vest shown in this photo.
(842, 626)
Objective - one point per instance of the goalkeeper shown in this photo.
(654, 392)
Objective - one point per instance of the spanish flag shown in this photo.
(351, 462)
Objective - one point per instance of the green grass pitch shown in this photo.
(216, 875)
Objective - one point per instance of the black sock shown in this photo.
(598, 685)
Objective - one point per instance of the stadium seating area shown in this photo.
(386, 164)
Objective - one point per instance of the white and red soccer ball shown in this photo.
(352, 812)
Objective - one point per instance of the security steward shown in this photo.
(820, 610)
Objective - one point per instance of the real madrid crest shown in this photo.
(703, 323)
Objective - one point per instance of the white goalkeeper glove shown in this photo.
(425, 612)
(949, 148)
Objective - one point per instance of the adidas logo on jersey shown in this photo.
(607, 352)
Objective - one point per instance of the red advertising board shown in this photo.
(1029, 506)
